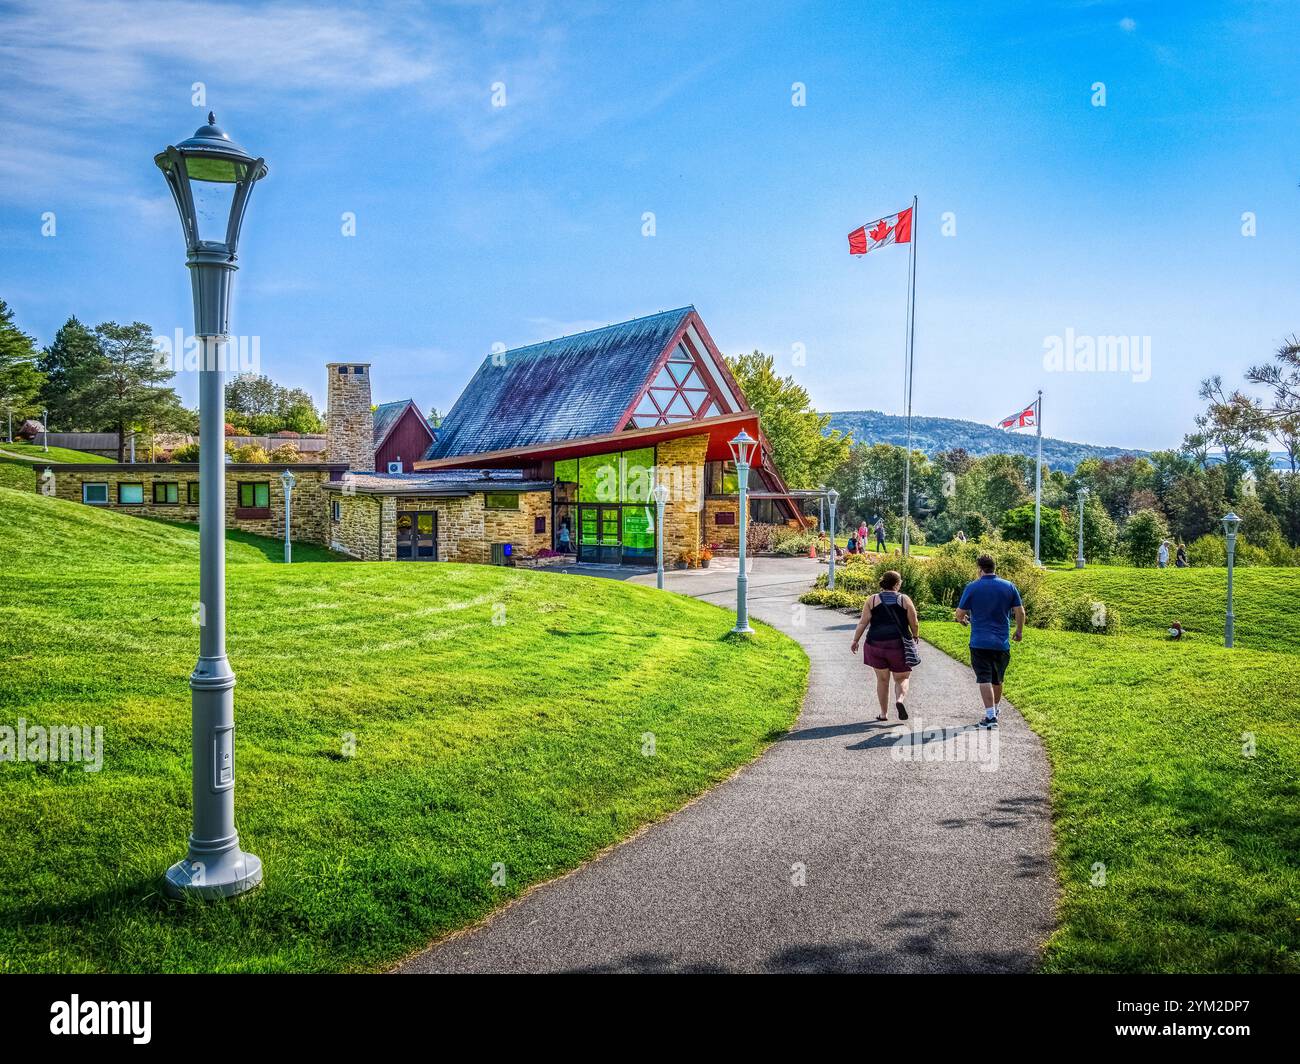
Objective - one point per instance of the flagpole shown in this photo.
(907, 385)
(1038, 479)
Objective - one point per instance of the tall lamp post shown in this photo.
(1083, 498)
(660, 495)
(1230, 524)
(832, 497)
(45, 429)
(741, 447)
(287, 479)
(210, 178)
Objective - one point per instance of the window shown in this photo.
(130, 495)
(501, 500)
(256, 496)
(192, 493)
(336, 510)
(165, 494)
(95, 494)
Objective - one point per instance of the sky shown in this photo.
(521, 171)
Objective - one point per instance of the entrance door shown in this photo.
(599, 534)
(417, 536)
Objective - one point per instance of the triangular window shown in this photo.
(677, 393)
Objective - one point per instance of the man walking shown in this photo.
(880, 535)
(987, 604)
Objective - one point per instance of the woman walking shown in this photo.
(887, 616)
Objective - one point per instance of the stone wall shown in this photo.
(680, 465)
(726, 536)
(357, 532)
(467, 529)
(310, 510)
(349, 420)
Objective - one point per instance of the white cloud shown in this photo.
(1128, 25)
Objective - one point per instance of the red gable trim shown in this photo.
(720, 431)
(720, 363)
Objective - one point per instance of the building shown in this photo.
(551, 450)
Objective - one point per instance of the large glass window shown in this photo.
(166, 494)
(130, 495)
(598, 478)
(638, 532)
(95, 494)
(501, 500)
(638, 474)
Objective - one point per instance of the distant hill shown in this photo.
(934, 434)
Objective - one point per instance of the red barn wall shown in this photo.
(408, 440)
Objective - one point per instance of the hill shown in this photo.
(498, 715)
(934, 434)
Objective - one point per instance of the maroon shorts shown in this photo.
(886, 655)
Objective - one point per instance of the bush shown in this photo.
(1207, 552)
(793, 546)
(249, 453)
(894, 532)
(1141, 537)
(286, 454)
(952, 567)
(760, 537)
(839, 599)
(915, 584)
(186, 452)
(1089, 615)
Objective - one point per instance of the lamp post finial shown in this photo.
(212, 118)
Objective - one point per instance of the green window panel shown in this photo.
(567, 470)
(598, 478)
(638, 474)
(255, 496)
(638, 528)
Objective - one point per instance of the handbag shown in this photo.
(910, 654)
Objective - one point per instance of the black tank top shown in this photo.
(885, 615)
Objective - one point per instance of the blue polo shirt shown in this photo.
(990, 600)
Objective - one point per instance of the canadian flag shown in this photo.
(895, 229)
(1026, 419)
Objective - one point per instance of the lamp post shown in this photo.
(287, 479)
(45, 429)
(1230, 524)
(660, 494)
(210, 178)
(832, 497)
(741, 447)
(1083, 498)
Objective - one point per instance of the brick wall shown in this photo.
(727, 536)
(310, 507)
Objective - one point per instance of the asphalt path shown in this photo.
(849, 846)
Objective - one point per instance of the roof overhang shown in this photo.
(720, 431)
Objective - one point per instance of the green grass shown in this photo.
(20, 462)
(1200, 843)
(499, 717)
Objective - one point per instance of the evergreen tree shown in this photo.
(126, 391)
(69, 363)
(20, 376)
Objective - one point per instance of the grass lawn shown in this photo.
(20, 462)
(500, 719)
(1200, 843)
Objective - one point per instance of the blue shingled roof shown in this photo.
(557, 390)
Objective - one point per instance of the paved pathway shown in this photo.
(836, 851)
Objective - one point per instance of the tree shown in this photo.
(126, 390)
(1054, 542)
(20, 377)
(263, 407)
(870, 481)
(1234, 424)
(994, 484)
(1283, 376)
(1116, 481)
(805, 453)
(1195, 503)
(1141, 537)
(1100, 535)
(69, 363)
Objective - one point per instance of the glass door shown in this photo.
(405, 537)
(611, 547)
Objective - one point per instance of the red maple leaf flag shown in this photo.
(1025, 419)
(894, 229)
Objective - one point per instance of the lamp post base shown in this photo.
(739, 630)
(234, 872)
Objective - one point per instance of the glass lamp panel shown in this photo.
(212, 188)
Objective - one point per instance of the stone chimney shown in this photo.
(349, 421)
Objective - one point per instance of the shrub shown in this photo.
(1089, 615)
(286, 454)
(894, 532)
(952, 567)
(1207, 552)
(760, 537)
(1141, 537)
(792, 546)
(948, 575)
(839, 599)
(250, 453)
(186, 452)
(915, 584)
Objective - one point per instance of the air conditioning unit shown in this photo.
(395, 467)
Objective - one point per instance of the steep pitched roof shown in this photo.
(387, 415)
(561, 389)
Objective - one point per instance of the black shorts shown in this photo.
(990, 665)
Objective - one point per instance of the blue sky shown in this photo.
(479, 224)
